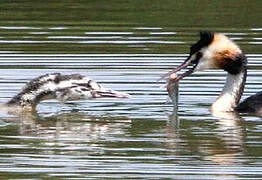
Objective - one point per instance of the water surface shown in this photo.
(126, 46)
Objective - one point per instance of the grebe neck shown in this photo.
(234, 86)
(231, 93)
(45, 87)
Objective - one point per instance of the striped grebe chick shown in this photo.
(61, 87)
(217, 51)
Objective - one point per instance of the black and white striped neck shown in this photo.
(61, 87)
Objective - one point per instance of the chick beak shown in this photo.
(107, 93)
(192, 60)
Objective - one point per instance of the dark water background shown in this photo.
(126, 45)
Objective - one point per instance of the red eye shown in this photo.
(199, 55)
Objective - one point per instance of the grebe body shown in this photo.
(217, 51)
(61, 87)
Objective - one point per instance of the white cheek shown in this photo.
(206, 61)
(201, 66)
(207, 53)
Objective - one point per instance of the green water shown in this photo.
(37, 20)
(126, 45)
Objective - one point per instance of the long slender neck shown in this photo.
(29, 98)
(232, 92)
(45, 87)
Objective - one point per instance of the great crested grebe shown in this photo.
(61, 87)
(216, 51)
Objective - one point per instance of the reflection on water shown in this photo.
(80, 143)
(138, 137)
(126, 46)
(231, 132)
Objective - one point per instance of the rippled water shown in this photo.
(126, 46)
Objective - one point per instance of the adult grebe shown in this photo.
(216, 51)
(61, 87)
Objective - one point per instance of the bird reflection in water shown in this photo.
(221, 142)
(231, 134)
(228, 129)
(71, 130)
(173, 122)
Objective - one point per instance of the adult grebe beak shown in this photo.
(192, 60)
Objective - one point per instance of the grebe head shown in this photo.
(212, 51)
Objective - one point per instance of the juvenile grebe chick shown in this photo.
(61, 87)
(216, 51)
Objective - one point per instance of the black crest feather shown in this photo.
(206, 37)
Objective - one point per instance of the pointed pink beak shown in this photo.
(184, 65)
